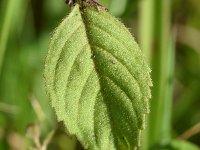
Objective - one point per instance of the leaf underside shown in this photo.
(97, 80)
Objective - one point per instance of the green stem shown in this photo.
(13, 18)
(146, 27)
(146, 24)
(7, 20)
(159, 120)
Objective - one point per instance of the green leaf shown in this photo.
(97, 80)
(183, 145)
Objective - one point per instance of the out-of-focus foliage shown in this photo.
(183, 145)
(25, 30)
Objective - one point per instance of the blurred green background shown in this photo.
(167, 31)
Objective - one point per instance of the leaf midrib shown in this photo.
(90, 45)
(98, 74)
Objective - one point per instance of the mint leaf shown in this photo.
(97, 80)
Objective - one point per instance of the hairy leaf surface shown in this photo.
(97, 80)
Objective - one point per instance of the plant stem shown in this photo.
(146, 24)
(7, 19)
(146, 27)
(191, 132)
(160, 118)
(13, 18)
(159, 121)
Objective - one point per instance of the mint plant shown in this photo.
(97, 79)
